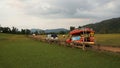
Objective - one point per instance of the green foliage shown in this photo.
(5, 29)
(14, 30)
(79, 27)
(36, 32)
(27, 31)
(22, 31)
(41, 32)
(17, 51)
(62, 32)
(106, 26)
(72, 28)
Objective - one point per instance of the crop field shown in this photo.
(108, 39)
(19, 51)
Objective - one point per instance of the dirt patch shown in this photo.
(107, 48)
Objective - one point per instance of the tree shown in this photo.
(0, 28)
(36, 32)
(62, 32)
(41, 32)
(14, 30)
(6, 30)
(27, 31)
(22, 31)
(80, 27)
(72, 28)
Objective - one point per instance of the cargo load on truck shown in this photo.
(81, 36)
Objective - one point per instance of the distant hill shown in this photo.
(106, 26)
(34, 30)
(50, 30)
(55, 30)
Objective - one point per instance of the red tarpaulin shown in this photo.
(76, 31)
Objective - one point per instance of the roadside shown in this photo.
(96, 46)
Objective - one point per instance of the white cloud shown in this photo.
(56, 13)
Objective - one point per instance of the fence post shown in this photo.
(83, 47)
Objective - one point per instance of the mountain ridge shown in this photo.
(106, 26)
(50, 30)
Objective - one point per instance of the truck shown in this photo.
(80, 37)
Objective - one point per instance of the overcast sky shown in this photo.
(50, 14)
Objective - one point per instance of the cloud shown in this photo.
(56, 13)
(71, 8)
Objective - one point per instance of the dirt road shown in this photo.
(107, 48)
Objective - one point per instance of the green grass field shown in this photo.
(108, 39)
(18, 51)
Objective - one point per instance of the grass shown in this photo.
(18, 51)
(108, 39)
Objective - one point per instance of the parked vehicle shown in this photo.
(81, 36)
(52, 37)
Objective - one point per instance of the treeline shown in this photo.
(14, 30)
(106, 26)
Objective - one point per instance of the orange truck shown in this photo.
(81, 36)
